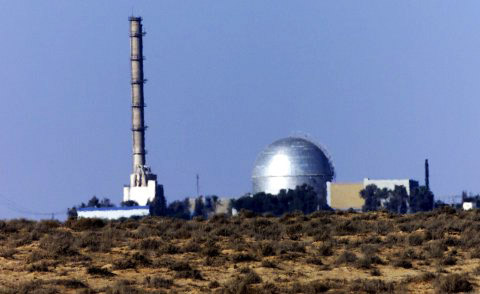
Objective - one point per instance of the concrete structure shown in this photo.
(469, 205)
(143, 183)
(390, 184)
(347, 195)
(344, 196)
(113, 212)
(291, 162)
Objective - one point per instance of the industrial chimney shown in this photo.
(138, 121)
(143, 184)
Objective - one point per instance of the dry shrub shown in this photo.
(346, 257)
(39, 266)
(290, 246)
(266, 249)
(415, 239)
(70, 283)
(185, 271)
(169, 249)
(326, 249)
(367, 261)
(191, 246)
(149, 244)
(94, 241)
(47, 226)
(242, 284)
(98, 271)
(158, 282)
(435, 249)
(404, 263)
(36, 286)
(123, 287)
(371, 286)
(211, 249)
(137, 260)
(59, 244)
(84, 224)
(312, 287)
(8, 252)
(449, 261)
(269, 264)
(453, 283)
(243, 257)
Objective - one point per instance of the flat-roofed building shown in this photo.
(344, 196)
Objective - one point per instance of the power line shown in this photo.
(13, 206)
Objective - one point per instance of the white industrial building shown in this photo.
(113, 212)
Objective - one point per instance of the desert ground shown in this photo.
(324, 252)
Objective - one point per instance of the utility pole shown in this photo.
(427, 175)
(198, 185)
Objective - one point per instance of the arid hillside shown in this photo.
(325, 252)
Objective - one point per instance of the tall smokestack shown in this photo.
(143, 186)
(138, 124)
(427, 175)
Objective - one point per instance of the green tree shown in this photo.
(421, 199)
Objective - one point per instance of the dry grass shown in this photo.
(324, 252)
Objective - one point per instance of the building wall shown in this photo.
(140, 194)
(345, 195)
(113, 212)
(390, 184)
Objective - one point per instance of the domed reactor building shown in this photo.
(291, 162)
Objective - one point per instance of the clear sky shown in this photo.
(382, 84)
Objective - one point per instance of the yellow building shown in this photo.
(345, 195)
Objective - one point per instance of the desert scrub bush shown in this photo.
(449, 261)
(369, 249)
(435, 249)
(266, 249)
(39, 266)
(84, 224)
(367, 261)
(134, 261)
(185, 271)
(312, 287)
(59, 244)
(346, 257)
(453, 283)
(290, 246)
(242, 283)
(371, 286)
(8, 253)
(123, 287)
(264, 229)
(243, 257)
(98, 271)
(347, 227)
(268, 264)
(192, 247)
(169, 248)
(36, 286)
(326, 249)
(211, 248)
(415, 239)
(403, 263)
(94, 241)
(149, 244)
(47, 226)
(158, 282)
(70, 283)
(225, 231)
(314, 260)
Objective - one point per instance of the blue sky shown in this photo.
(382, 84)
